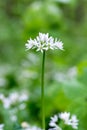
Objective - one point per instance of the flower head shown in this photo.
(44, 42)
(53, 123)
(67, 119)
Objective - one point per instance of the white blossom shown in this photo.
(59, 45)
(14, 98)
(74, 122)
(54, 118)
(1, 126)
(67, 119)
(44, 42)
(6, 103)
(53, 123)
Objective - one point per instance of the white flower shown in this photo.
(30, 44)
(54, 118)
(44, 42)
(24, 124)
(23, 97)
(59, 45)
(22, 106)
(1, 126)
(69, 121)
(53, 123)
(6, 103)
(13, 97)
(74, 122)
(65, 117)
(43, 38)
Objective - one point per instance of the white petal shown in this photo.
(59, 44)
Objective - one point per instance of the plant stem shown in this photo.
(42, 92)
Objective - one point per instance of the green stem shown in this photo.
(42, 92)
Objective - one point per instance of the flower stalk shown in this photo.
(42, 91)
(43, 42)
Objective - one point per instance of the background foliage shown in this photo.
(20, 71)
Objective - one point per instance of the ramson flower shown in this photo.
(53, 123)
(44, 42)
(67, 119)
(74, 122)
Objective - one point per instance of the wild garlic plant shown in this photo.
(43, 43)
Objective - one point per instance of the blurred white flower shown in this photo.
(53, 123)
(65, 116)
(44, 42)
(69, 121)
(23, 97)
(26, 126)
(58, 44)
(31, 43)
(13, 118)
(74, 122)
(14, 98)
(6, 103)
(22, 106)
(72, 72)
(13, 114)
(67, 76)
(1, 126)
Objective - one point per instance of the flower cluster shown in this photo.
(13, 98)
(44, 42)
(73, 122)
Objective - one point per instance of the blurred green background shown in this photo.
(20, 70)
